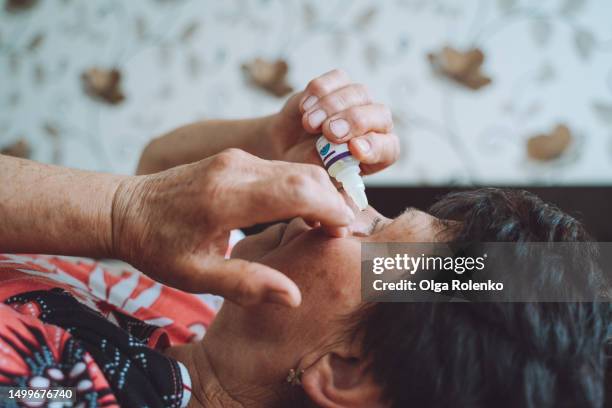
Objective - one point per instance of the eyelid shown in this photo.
(373, 225)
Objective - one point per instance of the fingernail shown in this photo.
(280, 298)
(339, 127)
(363, 145)
(309, 102)
(316, 118)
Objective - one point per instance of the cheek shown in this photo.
(327, 271)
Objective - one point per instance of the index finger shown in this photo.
(300, 190)
(321, 86)
(375, 151)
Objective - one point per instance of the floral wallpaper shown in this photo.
(483, 91)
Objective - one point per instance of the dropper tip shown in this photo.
(359, 198)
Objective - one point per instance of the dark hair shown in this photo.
(491, 354)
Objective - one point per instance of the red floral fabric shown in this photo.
(183, 316)
(34, 353)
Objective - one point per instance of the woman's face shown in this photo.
(327, 271)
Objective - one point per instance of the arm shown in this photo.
(50, 209)
(166, 224)
(289, 135)
(203, 139)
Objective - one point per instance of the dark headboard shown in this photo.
(591, 205)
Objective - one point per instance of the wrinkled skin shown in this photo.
(170, 224)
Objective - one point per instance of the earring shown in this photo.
(295, 377)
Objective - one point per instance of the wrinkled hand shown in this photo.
(343, 112)
(174, 225)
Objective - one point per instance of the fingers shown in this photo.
(332, 103)
(321, 86)
(343, 111)
(243, 282)
(375, 151)
(357, 121)
(313, 196)
(260, 191)
(291, 190)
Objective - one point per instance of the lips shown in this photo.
(293, 229)
(276, 233)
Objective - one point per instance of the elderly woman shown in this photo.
(189, 211)
(336, 351)
(331, 351)
(174, 225)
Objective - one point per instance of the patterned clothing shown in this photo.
(72, 323)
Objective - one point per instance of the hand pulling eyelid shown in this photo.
(341, 165)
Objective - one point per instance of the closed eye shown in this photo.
(377, 226)
(373, 224)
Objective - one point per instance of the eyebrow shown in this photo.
(406, 213)
(408, 210)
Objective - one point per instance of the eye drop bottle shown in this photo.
(342, 166)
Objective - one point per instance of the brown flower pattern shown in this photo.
(462, 67)
(103, 85)
(549, 146)
(270, 76)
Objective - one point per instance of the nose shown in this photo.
(362, 224)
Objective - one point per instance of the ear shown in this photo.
(336, 381)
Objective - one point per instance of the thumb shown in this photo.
(243, 282)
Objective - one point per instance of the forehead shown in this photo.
(411, 226)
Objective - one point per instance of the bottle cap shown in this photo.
(358, 195)
(354, 187)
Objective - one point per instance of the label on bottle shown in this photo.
(331, 152)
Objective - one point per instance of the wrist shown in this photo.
(103, 219)
(267, 139)
(126, 207)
